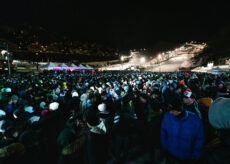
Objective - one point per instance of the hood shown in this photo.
(75, 146)
(11, 150)
(185, 117)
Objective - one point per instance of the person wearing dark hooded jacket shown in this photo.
(72, 147)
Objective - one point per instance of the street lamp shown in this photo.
(142, 60)
(122, 59)
(159, 58)
(5, 52)
(37, 60)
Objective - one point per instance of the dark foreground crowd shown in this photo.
(114, 117)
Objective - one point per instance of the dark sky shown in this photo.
(121, 24)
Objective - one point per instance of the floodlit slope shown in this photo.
(166, 62)
(173, 64)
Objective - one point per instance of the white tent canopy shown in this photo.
(200, 69)
(88, 67)
(73, 66)
(63, 65)
(82, 67)
(50, 65)
(216, 71)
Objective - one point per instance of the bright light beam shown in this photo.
(142, 60)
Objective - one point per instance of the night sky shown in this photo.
(121, 24)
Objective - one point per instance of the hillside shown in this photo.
(218, 48)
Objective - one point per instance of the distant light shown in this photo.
(159, 56)
(142, 60)
(122, 58)
(210, 64)
(4, 62)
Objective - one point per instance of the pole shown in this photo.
(37, 60)
(8, 59)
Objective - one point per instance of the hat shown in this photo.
(180, 75)
(75, 94)
(8, 90)
(34, 119)
(62, 94)
(92, 117)
(219, 113)
(126, 88)
(182, 82)
(44, 112)
(188, 93)
(42, 105)
(92, 88)
(14, 97)
(66, 137)
(194, 76)
(108, 83)
(3, 90)
(206, 101)
(53, 106)
(170, 81)
(55, 97)
(29, 109)
(57, 90)
(102, 108)
(2, 113)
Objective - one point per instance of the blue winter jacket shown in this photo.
(182, 137)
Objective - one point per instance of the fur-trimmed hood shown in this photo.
(11, 150)
(75, 146)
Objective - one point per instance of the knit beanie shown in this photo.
(219, 113)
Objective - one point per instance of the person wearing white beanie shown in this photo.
(53, 106)
(75, 94)
(102, 108)
(8, 90)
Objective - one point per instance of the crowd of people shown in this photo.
(115, 117)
